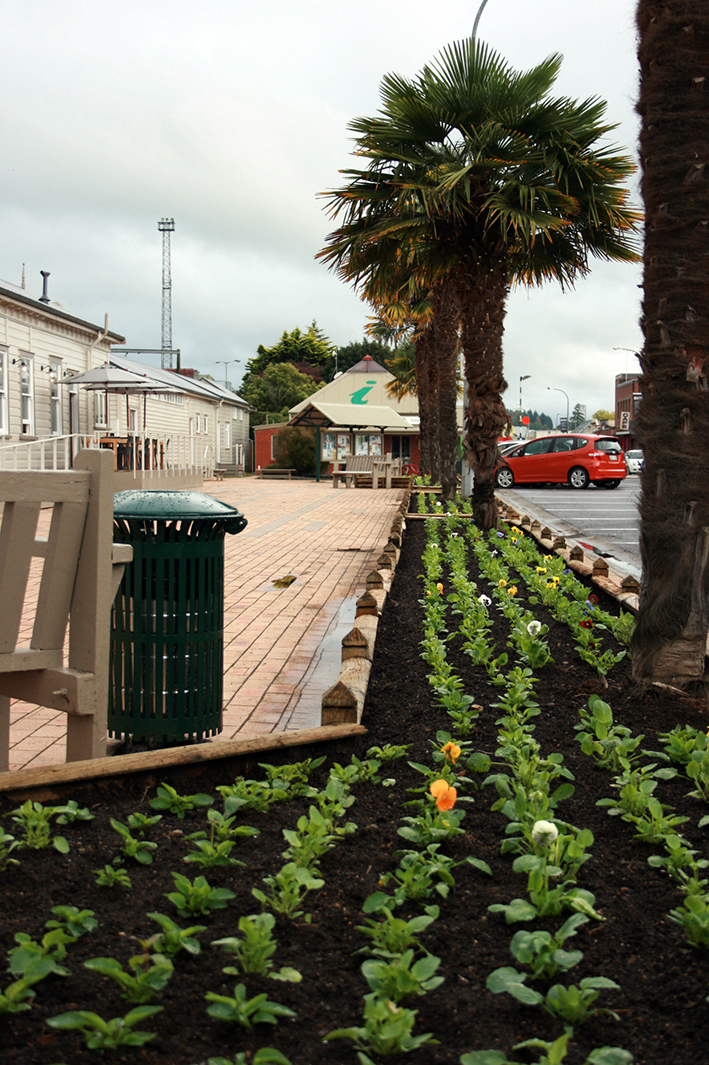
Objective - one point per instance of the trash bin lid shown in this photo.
(154, 505)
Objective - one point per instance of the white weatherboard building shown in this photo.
(193, 428)
(41, 344)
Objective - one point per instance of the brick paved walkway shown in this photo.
(281, 646)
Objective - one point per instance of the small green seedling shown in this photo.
(152, 972)
(34, 820)
(170, 801)
(173, 939)
(254, 949)
(107, 1035)
(287, 889)
(399, 978)
(245, 1012)
(138, 849)
(73, 921)
(387, 1029)
(112, 876)
(391, 935)
(197, 897)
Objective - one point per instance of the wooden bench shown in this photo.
(276, 473)
(357, 467)
(80, 576)
(366, 470)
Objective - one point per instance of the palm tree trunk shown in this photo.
(427, 394)
(482, 300)
(673, 424)
(445, 351)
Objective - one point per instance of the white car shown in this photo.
(634, 461)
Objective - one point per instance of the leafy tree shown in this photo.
(279, 388)
(578, 416)
(294, 448)
(477, 178)
(603, 415)
(669, 643)
(312, 349)
(536, 420)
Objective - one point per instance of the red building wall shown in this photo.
(263, 443)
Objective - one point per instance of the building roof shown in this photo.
(193, 386)
(21, 295)
(344, 416)
(368, 365)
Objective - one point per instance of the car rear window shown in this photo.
(568, 443)
(611, 447)
(634, 454)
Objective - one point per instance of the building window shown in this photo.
(401, 448)
(197, 423)
(27, 394)
(4, 409)
(206, 423)
(100, 410)
(55, 397)
(227, 436)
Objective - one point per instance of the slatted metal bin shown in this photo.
(167, 623)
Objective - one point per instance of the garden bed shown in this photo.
(661, 1001)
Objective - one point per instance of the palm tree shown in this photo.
(477, 179)
(669, 644)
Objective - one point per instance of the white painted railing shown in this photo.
(46, 453)
(168, 454)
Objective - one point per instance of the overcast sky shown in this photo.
(231, 116)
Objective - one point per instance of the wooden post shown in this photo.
(354, 645)
(90, 624)
(600, 568)
(366, 604)
(339, 706)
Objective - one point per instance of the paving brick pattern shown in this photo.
(281, 645)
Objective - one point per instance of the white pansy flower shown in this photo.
(534, 628)
(544, 832)
(485, 600)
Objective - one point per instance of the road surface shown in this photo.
(606, 520)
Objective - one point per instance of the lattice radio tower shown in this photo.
(166, 226)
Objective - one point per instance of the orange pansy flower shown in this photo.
(444, 794)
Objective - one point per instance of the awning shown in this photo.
(351, 416)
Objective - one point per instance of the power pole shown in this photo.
(166, 226)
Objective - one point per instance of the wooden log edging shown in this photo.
(18, 782)
(626, 590)
(343, 703)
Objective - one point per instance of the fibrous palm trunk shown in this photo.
(444, 327)
(673, 424)
(482, 300)
(427, 394)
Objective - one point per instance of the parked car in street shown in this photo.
(574, 459)
(634, 460)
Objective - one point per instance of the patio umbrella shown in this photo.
(116, 380)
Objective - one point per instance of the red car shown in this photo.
(578, 460)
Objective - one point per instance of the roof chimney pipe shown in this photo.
(44, 298)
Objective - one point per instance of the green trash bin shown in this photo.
(167, 622)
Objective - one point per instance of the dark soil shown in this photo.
(662, 1002)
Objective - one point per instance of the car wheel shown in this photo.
(578, 477)
(504, 478)
(609, 484)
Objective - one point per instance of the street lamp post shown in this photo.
(227, 363)
(552, 388)
(525, 377)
